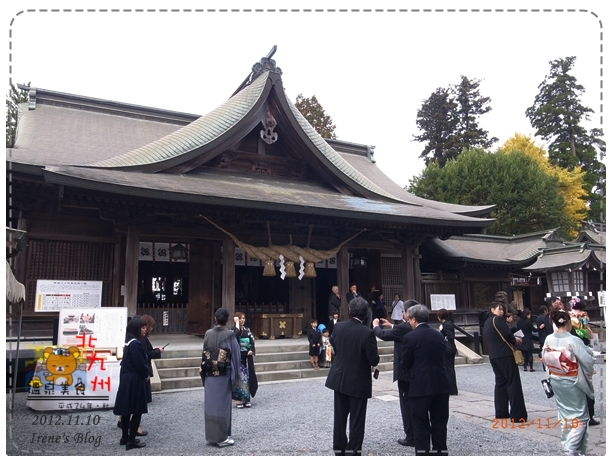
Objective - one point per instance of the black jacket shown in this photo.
(395, 335)
(423, 360)
(497, 346)
(356, 353)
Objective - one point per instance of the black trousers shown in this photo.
(429, 420)
(449, 364)
(345, 405)
(403, 388)
(591, 406)
(508, 389)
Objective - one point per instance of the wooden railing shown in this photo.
(176, 317)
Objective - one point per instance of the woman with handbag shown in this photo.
(221, 380)
(501, 342)
(571, 365)
(450, 349)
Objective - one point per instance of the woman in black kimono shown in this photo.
(247, 383)
(132, 395)
(448, 330)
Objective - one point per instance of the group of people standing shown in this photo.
(423, 367)
(420, 368)
(564, 353)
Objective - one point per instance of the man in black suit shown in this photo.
(349, 377)
(428, 394)
(396, 335)
(508, 388)
(545, 328)
(352, 293)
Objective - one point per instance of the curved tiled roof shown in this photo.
(332, 156)
(564, 258)
(195, 135)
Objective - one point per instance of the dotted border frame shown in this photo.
(276, 10)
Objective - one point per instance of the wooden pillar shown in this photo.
(343, 279)
(200, 307)
(117, 267)
(132, 248)
(416, 265)
(228, 290)
(407, 273)
(411, 273)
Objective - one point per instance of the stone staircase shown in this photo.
(180, 369)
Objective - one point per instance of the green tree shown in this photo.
(527, 199)
(448, 120)
(437, 119)
(471, 106)
(314, 113)
(13, 99)
(557, 114)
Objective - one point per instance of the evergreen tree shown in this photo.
(448, 120)
(438, 121)
(557, 114)
(471, 106)
(14, 98)
(314, 113)
(526, 198)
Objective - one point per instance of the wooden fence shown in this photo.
(175, 314)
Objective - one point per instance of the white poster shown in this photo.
(104, 327)
(446, 301)
(56, 295)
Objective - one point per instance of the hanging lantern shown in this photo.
(290, 269)
(269, 269)
(309, 271)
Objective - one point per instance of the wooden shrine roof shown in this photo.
(146, 152)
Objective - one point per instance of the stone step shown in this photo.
(180, 369)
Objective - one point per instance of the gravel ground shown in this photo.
(287, 418)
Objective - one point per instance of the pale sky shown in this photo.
(371, 70)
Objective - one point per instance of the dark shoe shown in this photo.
(142, 433)
(134, 445)
(524, 369)
(124, 441)
(531, 370)
(405, 442)
(593, 422)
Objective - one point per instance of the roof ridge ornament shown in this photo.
(268, 134)
(265, 64)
